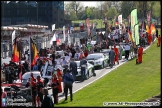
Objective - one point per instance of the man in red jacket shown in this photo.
(116, 54)
(140, 53)
(39, 86)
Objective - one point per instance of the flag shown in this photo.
(120, 19)
(134, 28)
(148, 17)
(152, 29)
(33, 52)
(53, 27)
(120, 23)
(15, 55)
(88, 26)
(53, 38)
(64, 33)
(130, 36)
(13, 37)
(69, 41)
(137, 34)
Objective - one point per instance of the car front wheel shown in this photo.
(87, 75)
(103, 65)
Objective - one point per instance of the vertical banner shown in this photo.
(53, 38)
(13, 37)
(88, 26)
(69, 41)
(120, 23)
(64, 33)
(137, 34)
(133, 22)
(53, 27)
(148, 18)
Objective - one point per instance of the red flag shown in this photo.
(15, 55)
(34, 52)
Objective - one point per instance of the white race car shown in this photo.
(98, 59)
(90, 71)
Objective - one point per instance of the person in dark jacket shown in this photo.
(73, 68)
(68, 83)
(47, 101)
(54, 84)
(111, 57)
(83, 65)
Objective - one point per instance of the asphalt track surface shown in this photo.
(99, 74)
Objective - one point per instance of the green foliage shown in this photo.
(73, 15)
(126, 8)
(112, 12)
(156, 11)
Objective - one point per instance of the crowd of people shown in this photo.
(79, 51)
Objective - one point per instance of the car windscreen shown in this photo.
(27, 76)
(94, 56)
(105, 51)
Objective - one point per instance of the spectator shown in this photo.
(64, 62)
(47, 101)
(159, 41)
(59, 75)
(77, 55)
(116, 54)
(127, 49)
(39, 90)
(83, 65)
(140, 53)
(120, 52)
(73, 68)
(54, 84)
(111, 57)
(68, 81)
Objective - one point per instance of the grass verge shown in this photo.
(127, 83)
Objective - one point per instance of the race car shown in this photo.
(98, 59)
(90, 71)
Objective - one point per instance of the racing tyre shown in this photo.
(103, 65)
(87, 75)
(93, 71)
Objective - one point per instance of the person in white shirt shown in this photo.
(127, 49)
(64, 62)
(77, 55)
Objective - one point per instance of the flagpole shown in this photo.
(30, 68)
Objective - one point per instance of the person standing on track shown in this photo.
(54, 84)
(111, 57)
(116, 54)
(140, 53)
(127, 50)
(68, 81)
(73, 68)
(39, 90)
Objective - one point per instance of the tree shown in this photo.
(73, 15)
(126, 8)
(76, 6)
(156, 10)
(112, 12)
